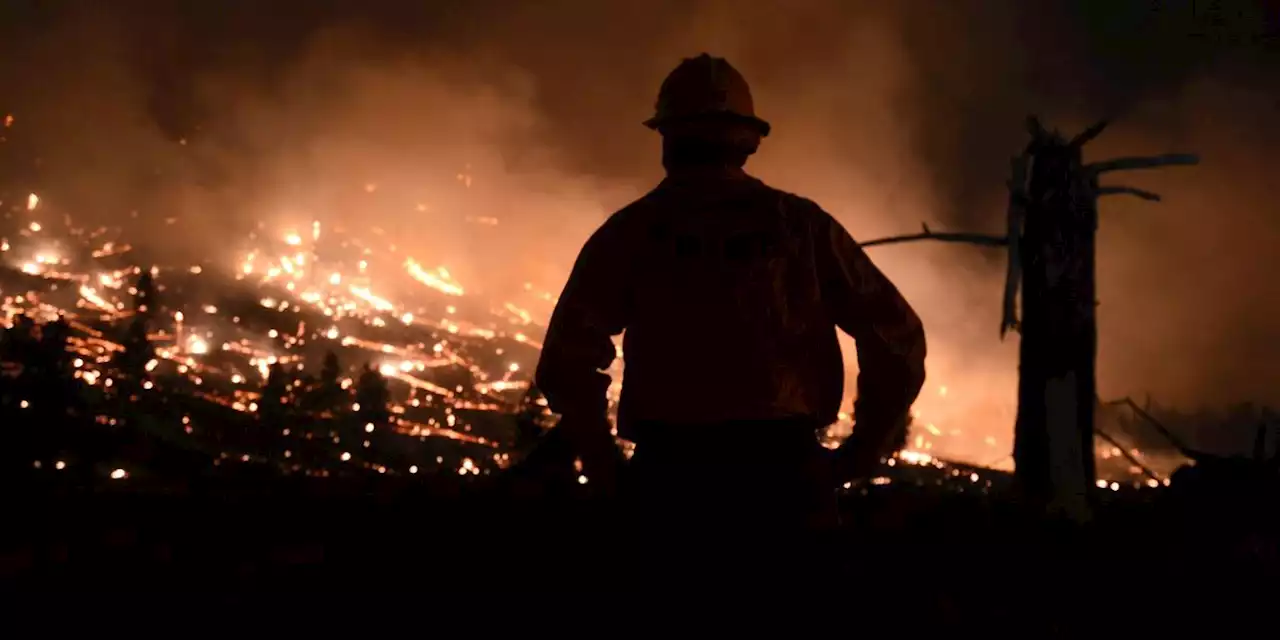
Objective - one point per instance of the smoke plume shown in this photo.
(420, 119)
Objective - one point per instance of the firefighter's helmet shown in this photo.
(706, 86)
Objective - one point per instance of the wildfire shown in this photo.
(339, 302)
(438, 280)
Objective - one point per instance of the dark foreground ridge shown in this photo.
(1154, 558)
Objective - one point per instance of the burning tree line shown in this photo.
(53, 410)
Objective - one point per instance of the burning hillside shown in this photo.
(295, 297)
(456, 364)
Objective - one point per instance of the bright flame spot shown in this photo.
(438, 280)
(197, 346)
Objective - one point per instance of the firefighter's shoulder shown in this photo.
(619, 228)
(636, 212)
(801, 210)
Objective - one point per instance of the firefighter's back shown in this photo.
(728, 323)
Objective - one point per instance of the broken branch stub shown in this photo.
(1036, 129)
(1128, 191)
(1122, 164)
(1089, 134)
(978, 239)
(1019, 166)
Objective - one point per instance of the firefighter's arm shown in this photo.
(890, 342)
(579, 346)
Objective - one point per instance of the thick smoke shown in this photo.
(417, 117)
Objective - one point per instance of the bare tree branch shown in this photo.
(1174, 440)
(1128, 191)
(963, 238)
(1120, 164)
(1127, 456)
(1089, 134)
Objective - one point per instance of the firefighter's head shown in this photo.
(706, 115)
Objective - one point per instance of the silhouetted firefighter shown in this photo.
(729, 296)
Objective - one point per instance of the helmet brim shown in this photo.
(761, 126)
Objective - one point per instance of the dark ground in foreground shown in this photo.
(1155, 560)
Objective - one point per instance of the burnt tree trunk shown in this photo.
(1051, 243)
(1052, 240)
(1057, 390)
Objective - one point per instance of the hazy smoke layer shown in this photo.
(420, 118)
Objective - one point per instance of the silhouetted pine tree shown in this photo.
(272, 406)
(330, 371)
(55, 383)
(53, 345)
(17, 415)
(16, 347)
(373, 396)
(145, 301)
(38, 389)
(138, 351)
(328, 394)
